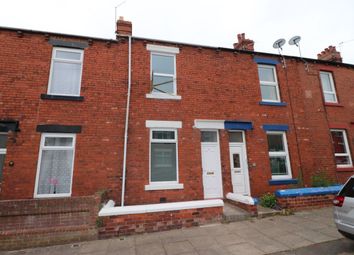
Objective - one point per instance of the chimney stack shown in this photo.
(243, 43)
(123, 27)
(330, 54)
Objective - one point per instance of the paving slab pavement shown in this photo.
(254, 236)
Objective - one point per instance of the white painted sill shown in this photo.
(110, 210)
(163, 96)
(164, 186)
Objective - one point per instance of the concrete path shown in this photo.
(255, 236)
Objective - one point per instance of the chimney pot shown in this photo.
(123, 27)
(330, 54)
(243, 43)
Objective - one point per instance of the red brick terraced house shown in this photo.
(155, 121)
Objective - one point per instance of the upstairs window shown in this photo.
(341, 148)
(3, 140)
(269, 84)
(328, 88)
(278, 155)
(163, 72)
(65, 72)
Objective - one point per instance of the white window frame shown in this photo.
(333, 89)
(157, 125)
(3, 150)
(43, 147)
(281, 154)
(168, 52)
(346, 145)
(54, 59)
(270, 83)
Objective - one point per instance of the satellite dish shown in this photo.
(295, 40)
(278, 43)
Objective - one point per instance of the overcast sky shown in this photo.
(320, 23)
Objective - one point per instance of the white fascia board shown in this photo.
(164, 207)
(240, 198)
(163, 49)
(163, 124)
(209, 124)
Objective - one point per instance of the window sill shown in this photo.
(345, 169)
(283, 181)
(164, 186)
(62, 97)
(273, 103)
(163, 96)
(52, 195)
(333, 104)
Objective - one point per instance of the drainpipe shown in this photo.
(126, 120)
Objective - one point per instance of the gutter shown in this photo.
(126, 120)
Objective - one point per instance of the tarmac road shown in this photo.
(338, 247)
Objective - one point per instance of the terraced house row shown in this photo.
(154, 121)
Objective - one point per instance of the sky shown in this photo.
(320, 23)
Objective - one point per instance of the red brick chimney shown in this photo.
(243, 43)
(330, 54)
(123, 27)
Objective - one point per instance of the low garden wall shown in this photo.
(39, 222)
(118, 221)
(306, 198)
(246, 203)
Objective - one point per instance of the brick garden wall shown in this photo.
(39, 222)
(305, 202)
(159, 221)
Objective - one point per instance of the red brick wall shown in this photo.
(305, 202)
(159, 221)
(25, 64)
(37, 222)
(214, 84)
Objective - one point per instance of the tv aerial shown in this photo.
(278, 44)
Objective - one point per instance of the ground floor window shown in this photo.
(55, 165)
(278, 155)
(341, 148)
(163, 158)
(3, 140)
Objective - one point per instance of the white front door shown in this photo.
(211, 164)
(239, 167)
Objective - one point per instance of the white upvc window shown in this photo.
(329, 91)
(55, 165)
(163, 161)
(279, 155)
(3, 141)
(269, 83)
(163, 72)
(341, 148)
(65, 72)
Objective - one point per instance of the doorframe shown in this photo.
(218, 146)
(244, 148)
